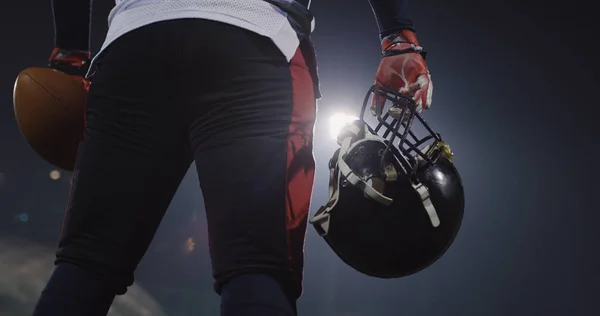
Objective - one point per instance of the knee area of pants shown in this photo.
(117, 281)
(259, 282)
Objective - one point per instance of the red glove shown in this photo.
(403, 69)
(72, 62)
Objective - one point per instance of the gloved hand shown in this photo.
(72, 62)
(403, 69)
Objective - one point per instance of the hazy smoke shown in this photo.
(24, 270)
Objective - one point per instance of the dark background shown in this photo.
(515, 86)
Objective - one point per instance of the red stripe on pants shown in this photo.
(300, 161)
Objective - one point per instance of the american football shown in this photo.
(49, 108)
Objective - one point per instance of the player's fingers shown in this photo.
(423, 97)
(410, 90)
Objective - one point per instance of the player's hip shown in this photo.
(256, 16)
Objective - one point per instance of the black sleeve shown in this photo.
(72, 24)
(391, 16)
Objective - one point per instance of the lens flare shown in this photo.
(54, 174)
(337, 121)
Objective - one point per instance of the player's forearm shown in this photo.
(391, 16)
(72, 24)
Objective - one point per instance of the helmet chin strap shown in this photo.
(426, 198)
(321, 217)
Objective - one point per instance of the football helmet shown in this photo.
(396, 200)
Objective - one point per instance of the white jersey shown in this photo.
(254, 15)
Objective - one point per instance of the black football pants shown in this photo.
(190, 90)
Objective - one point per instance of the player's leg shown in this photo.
(134, 155)
(252, 142)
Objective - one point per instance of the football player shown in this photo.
(230, 85)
